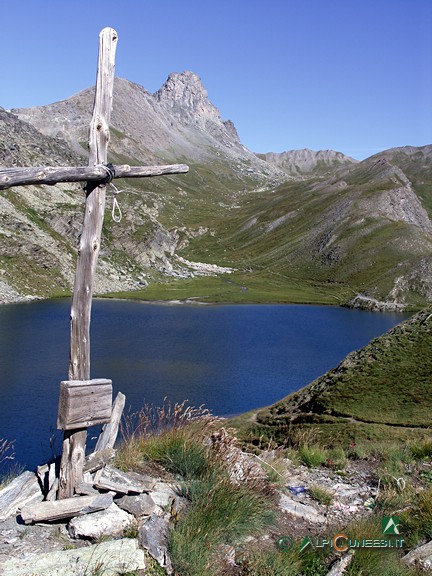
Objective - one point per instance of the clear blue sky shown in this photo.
(348, 75)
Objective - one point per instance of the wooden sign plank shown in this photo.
(84, 403)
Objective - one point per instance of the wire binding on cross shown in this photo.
(116, 213)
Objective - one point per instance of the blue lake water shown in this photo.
(230, 358)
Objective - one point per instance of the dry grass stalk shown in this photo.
(179, 419)
(5, 447)
(155, 420)
(241, 467)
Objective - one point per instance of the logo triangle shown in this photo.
(390, 525)
(305, 543)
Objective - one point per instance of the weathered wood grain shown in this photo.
(84, 403)
(66, 508)
(42, 473)
(108, 436)
(52, 494)
(53, 175)
(23, 489)
(79, 368)
(98, 460)
(95, 174)
(71, 467)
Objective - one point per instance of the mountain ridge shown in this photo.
(306, 163)
(358, 231)
(177, 120)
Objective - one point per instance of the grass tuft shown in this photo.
(417, 519)
(422, 449)
(374, 561)
(269, 563)
(218, 515)
(321, 494)
(7, 471)
(221, 508)
(163, 435)
(312, 456)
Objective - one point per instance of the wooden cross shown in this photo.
(80, 389)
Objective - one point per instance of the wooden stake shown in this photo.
(108, 436)
(71, 467)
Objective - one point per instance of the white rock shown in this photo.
(110, 522)
(114, 557)
(421, 556)
(300, 510)
(163, 494)
(340, 566)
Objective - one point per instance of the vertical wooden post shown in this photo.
(79, 368)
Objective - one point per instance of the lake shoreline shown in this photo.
(232, 358)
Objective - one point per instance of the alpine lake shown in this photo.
(230, 358)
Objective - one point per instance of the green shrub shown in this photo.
(219, 514)
(321, 494)
(312, 455)
(314, 564)
(418, 519)
(422, 450)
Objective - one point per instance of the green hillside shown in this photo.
(363, 232)
(361, 237)
(381, 391)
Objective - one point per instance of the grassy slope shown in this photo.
(378, 392)
(302, 242)
(310, 241)
(238, 288)
(307, 233)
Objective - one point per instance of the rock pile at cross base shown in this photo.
(127, 516)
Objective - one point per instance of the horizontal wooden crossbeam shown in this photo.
(52, 175)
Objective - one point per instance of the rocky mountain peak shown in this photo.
(181, 84)
(186, 96)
